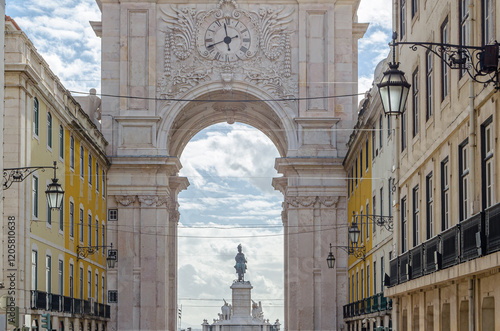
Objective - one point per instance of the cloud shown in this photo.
(377, 12)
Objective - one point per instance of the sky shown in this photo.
(230, 199)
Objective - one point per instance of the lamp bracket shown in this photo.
(357, 251)
(380, 220)
(16, 175)
(84, 251)
(481, 63)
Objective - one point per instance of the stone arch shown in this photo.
(182, 120)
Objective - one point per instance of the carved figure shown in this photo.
(257, 311)
(241, 264)
(226, 311)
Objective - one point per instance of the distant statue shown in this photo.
(226, 311)
(241, 264)
(257, 311)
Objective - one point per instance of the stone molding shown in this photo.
(309, 201)
(125, 200)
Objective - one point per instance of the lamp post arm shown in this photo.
(16, 175)
(84, 251)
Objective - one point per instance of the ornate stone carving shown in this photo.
(267, 63)
(125, 200)
(310, 201)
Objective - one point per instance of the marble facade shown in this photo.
(171, 57)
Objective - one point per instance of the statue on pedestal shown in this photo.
(241, 264)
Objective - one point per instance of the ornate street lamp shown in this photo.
(330, 260)
(84, 251)
(354, 232)
(54, 192)
(481, 64)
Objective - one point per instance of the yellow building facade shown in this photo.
(59, 269)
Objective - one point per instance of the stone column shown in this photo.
(145, 237)
(314, 215)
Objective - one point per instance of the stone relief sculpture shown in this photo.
(229, 44)
(241, 264)
(257, 313)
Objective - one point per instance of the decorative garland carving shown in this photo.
(125, 200)
(310, 201)
(270, 67)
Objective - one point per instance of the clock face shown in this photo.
(227, 40)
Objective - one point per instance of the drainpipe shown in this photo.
(472, 127)
(472, 166)
(472, 323)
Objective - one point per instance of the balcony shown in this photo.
(450, 246)
(373, 304)
(417, 261)
(39, 300)
(472, 238)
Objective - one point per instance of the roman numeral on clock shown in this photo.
(217, 56)
(228, 21)
(218, 23)
(243, 49)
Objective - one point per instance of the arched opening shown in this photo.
(488, 314)
(464, 315)
(230, 201)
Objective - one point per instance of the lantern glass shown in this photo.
(393, 90)
(330, 260)
(54, 194)
(354, 233)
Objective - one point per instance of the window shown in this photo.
(89, 225)
(89, 283)
(48, 273)
(97, 233)
(81, 225)
(464, 29)
(34, 196)
(402, 18)
(96, 287)
(102, 289)
(71, 219)
(60, 276)
(103, 180)
(49, 130)
(403, 131)
(357, 282)
(374, 204)
(90, 170)
(488, 19)
(362, 285)
(97, 177)
(356, 174)
(112, 296)
(414, 8)
(368, 280)
(404, 225)
(34, 270)
(430, 205)
(61, 218)
(36, 111)
(71, 281)
(374, 277)
(445, 195)
(380, 135)
(82, 163)
(429, 86)
(382, 274)
(367, 154)
(367, 221)
(445, 38)
(414, 87)
(103, 237)
(361, 164)
(72, 152)
(361, 225)
(61, 142)
(373, 143)
(352, 288)
(382, 201)
(463, 164)
(416, 216)
(487, 165)
(49, 215)
(81, 283)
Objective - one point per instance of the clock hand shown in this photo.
(212, 45)
(225, 28)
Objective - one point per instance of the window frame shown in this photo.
(49, 130)
(71, 219)
(48, 273)
(445, 70)
(72, 152)
(429, 190)
(36, 117)
(464, 30)
(404, 226)
(463, 187)
(487, 163)
(429, 85)
(402, 18)
(445, 194)
(34, 196)
(61, 142)
(416, 216)
(415, 102)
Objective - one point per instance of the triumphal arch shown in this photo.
(171, 68)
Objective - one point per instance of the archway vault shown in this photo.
(184, 119)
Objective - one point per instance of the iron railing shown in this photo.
(373, 304)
